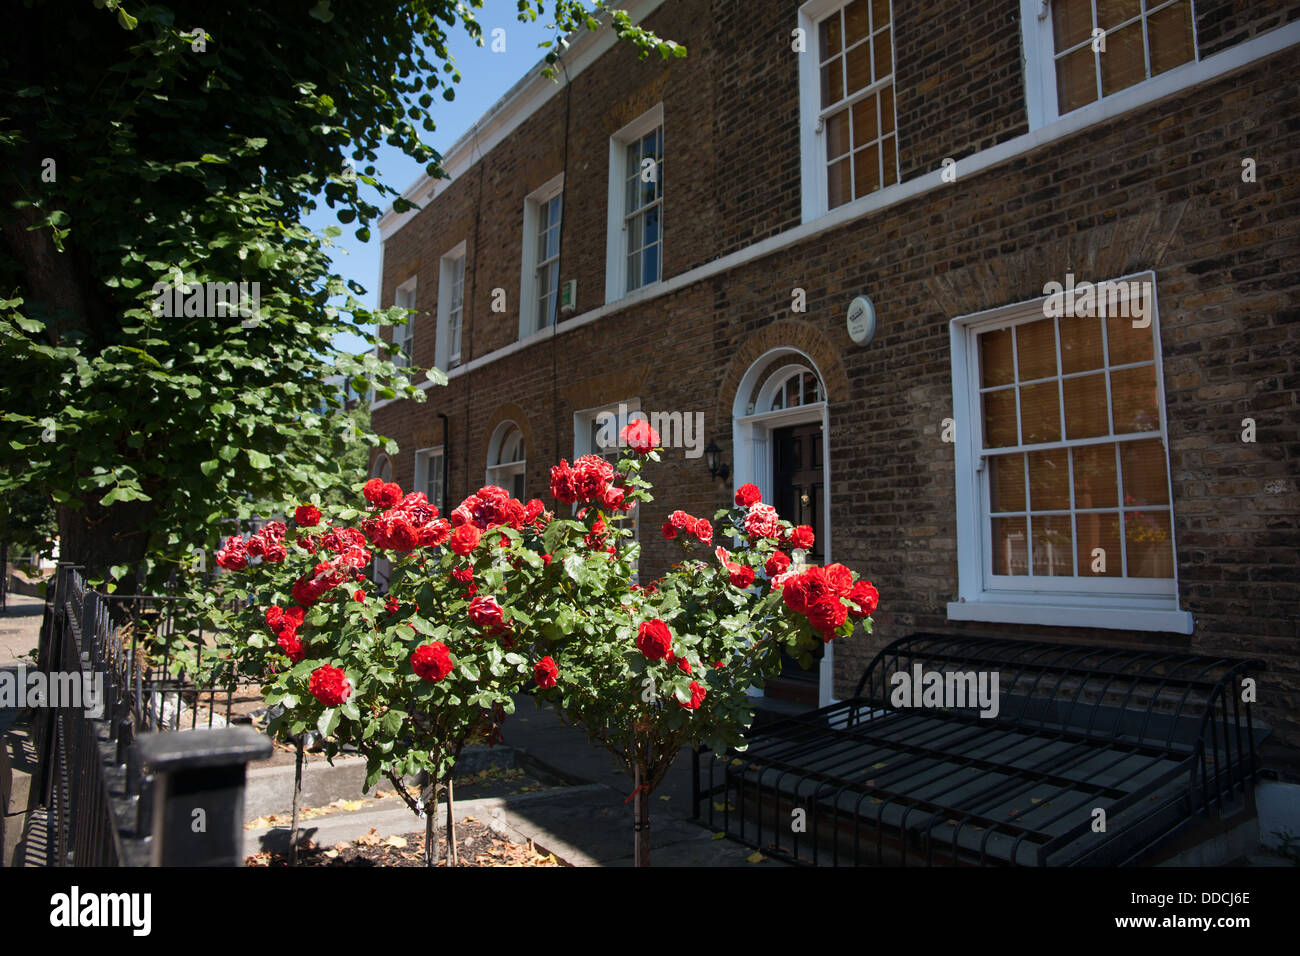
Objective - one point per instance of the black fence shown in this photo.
(1092, 756)
(117, 776)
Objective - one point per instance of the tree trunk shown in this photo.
(641, 826)
(430, 797)
(98, 538)
(297, 793)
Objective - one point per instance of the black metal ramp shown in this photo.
(1094, 755)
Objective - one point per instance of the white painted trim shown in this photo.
(446, 276)
(420, 479)
(1066, 615)
(1042, 600)
(520, 102)
(1203, 71)
(615, 233)
(528, 258)
(407, 332)
(752, 453)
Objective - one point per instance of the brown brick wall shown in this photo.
(1158, 189)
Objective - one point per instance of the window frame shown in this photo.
(529, 273)
(424, 458)
(445, 356)
(1041, 100)
(1126, 603)
(404, 335)
(494, 471)
(812, 139)
(617, 238)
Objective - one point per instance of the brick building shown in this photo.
(999, 457)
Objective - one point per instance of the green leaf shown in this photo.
(327, 721)
(257, 459)
(127, 21)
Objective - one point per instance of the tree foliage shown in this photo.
(182, 143)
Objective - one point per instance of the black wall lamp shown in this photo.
(717, 468)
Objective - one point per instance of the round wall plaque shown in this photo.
(861, 320)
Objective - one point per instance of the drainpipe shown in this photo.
(446, 457)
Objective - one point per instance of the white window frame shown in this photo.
(529, 278)
(1130, 603)
(616, 244)
(404, 335)
(448, 347)
(429, 461)
(812, 144)
(1040, 64)
(497, 470)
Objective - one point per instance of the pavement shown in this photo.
(20, 628)
(586, 823)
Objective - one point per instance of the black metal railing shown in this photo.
(107, 744)
(1094, 755)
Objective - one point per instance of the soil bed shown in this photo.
(479, 845)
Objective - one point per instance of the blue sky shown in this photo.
(485, 77)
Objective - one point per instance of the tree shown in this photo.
(165, 319)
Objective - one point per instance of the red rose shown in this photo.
(802, 538)
(359, 596)
(307, 516)
(742, 576)
(545, 672)
(761, 522)
(329, 685)
(389, 495)
(463, 575)
(391, 604)
(866, 597)
(484, 611)
(640, 437)
(668, 530)
(432, 662)
(464, 539)
(292, 645)
(840, 577)
(683, 665)
(373, 490)
(747, 495)
(273, 616)
(612, 498)
(654, 640)
(234, 556)
(826, 615)
(682, 521)
(697, 696)
(402, 535)
(562, 489)
(275, 553)
(776, 563)
(703, 531)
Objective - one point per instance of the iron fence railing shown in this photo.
(1093, 755)
(104, 760)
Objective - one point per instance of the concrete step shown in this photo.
(17, 766)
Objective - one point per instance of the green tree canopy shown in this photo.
(183, 143)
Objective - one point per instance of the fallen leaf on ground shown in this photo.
(755, 857)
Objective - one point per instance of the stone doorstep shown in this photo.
(269, 790)
(15, 788)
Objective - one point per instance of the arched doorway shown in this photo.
(780, 424)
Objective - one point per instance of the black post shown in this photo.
(198, 793)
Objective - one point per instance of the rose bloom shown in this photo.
(866, 597)
(307, 516)
(682, 521)
(464, 539)
(841, 578)
(776, 563)
(292, 645)
(654, 640)
(389, 495)
(697, 696)
(802, 538)
(373, 490)
(703, 532)
(747, 495)
(485, 611)
(805, 591)
(826, 615)
(329, 685)
(359, 596)
(431, 662)
(761, 522)
(668, 530)
(640, 437)
(741, 575)
(463, 575)
(545, 672)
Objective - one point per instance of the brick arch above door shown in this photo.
(785, 334)
(508, 412)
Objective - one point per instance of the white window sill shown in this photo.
(1128, 617)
